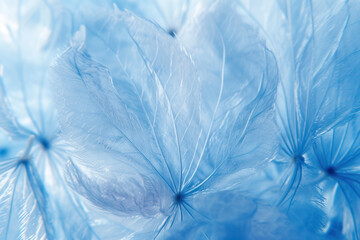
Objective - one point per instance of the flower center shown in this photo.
(172, 32)
(179, 198)
(23, 161)
(330, 170)
(299, 158)
(3, 152)
(44, 143)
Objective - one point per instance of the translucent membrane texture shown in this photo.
(179, 119)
